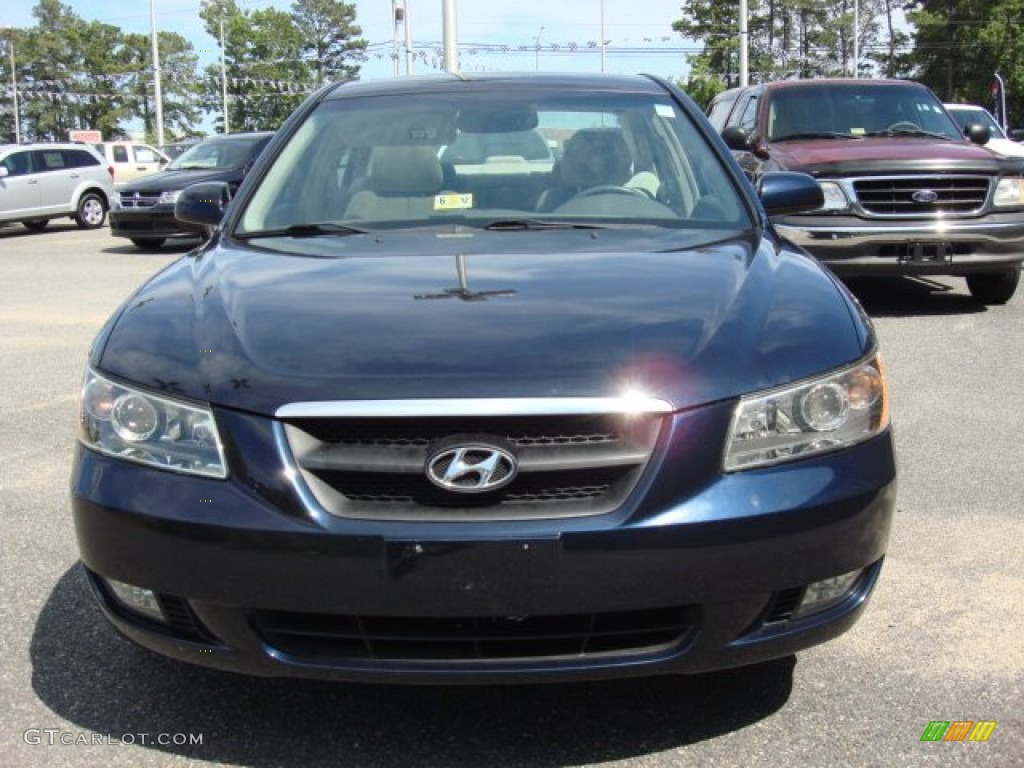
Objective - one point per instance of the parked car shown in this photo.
(40, 182)
(971, 114)
(143, 210)
(131, 160)
(905, 192)
(375, 429)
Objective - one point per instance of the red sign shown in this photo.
(91, 137)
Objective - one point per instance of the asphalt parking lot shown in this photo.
(941, 640)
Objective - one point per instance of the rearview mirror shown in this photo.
(979, 134)
(785, 192)
(203, 203)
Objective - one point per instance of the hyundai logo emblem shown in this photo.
(471, 468)
(925, 196)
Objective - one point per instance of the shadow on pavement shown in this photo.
(89, 675)
(910, 296)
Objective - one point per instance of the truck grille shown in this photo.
(922, 195)
(327, 638)
(568, 465)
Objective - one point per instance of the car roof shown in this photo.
(965, 107)
(448, 82)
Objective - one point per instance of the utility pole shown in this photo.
(856, 38)
(602, 36)
(744, 45)
(157, 94)
(451, 43)
(14, 87)
(408, 39)
(536, 49)
(223, 75)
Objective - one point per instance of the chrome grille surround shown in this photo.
(892, 197)
(366, 459)
(135, 200)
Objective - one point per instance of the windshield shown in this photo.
(965, 117)
(519, 160)
(856, 110)
(214, 155)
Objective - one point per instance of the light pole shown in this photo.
(602, 35)
(157, 94)
(536, 50)
(14, 86)
(223, 75)
(451, 34)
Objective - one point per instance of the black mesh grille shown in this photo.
(565, 466)
(322, 638)
(934, 195)
(521, 432)
(783, 605)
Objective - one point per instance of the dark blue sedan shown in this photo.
(420, 414)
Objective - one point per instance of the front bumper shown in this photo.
(150, 223)
(853, 246)
(257, 585)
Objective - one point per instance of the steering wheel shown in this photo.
(904, 125)
(612, 189)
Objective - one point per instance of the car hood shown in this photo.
(165, 181)
(253, 329)
(820, 157)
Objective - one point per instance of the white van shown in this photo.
(131, 160)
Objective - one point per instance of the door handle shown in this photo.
(33, 181)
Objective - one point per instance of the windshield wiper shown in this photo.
(304, 230)
(518, 225)
(814, 135)
(909, 132)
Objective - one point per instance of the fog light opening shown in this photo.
(826, 593)
(137, 599)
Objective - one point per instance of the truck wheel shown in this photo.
(36, 225)
(148, 243)
(91, 211)
(995, 288)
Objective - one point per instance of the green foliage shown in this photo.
(986, 33)
(73, 73)
(792, 38)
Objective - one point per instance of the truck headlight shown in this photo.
(169, 198)
(823, 414)
(1009, 192)
(835, 198)
(149, 429)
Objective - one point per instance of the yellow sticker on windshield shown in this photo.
(451, 201)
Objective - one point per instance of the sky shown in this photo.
(639, 34)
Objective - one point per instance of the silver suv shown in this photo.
(39, 182)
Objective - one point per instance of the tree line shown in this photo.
(78, 74)
(953, 46)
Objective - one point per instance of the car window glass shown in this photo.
(145, 155)
(50, 159)
(215, 154)
(120, 154)
(719, 111)
(17, 163)
(748, 118)
(478, 157)
(79, 158)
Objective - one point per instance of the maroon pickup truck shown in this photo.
(906, 191)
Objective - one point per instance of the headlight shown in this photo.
(170, 198)
(149, 429)
(835, 198)
(1009, 193)
(115, 200)
(812, 417)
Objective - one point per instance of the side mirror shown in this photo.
(736, 138)
(1017, 134)
(979, 134)
(783, 192)
(203, 203)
